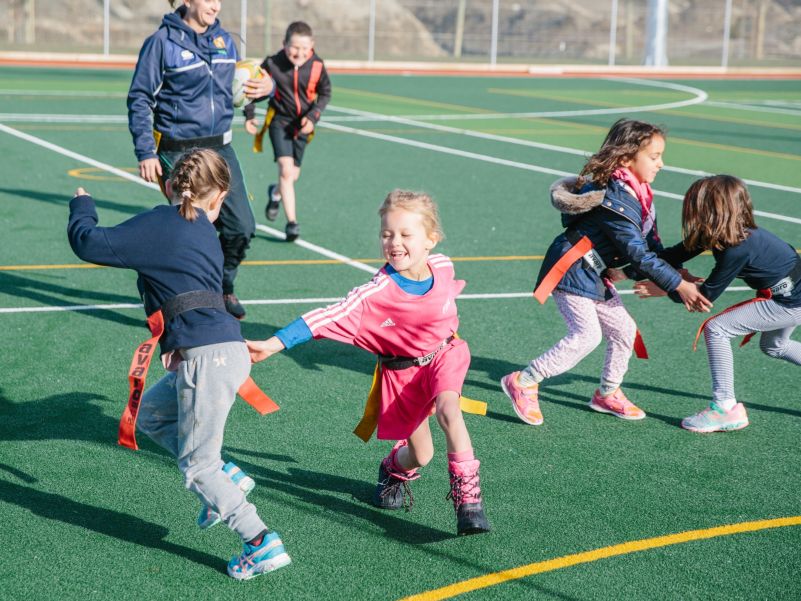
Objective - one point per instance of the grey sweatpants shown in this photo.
(185, 412)
(775, 321)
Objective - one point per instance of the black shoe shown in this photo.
(233, 306)
(271, 211)
(470, 519)
(292, 231)
(391, 492)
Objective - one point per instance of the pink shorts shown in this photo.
(407, 395)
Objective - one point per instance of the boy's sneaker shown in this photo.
(266, 557)
(273, 203)
(208, 517)
(292, 231)
(233, 306)
(525, 400)
(716, 419)
(616, 404)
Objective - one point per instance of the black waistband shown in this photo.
(173, 145)
(396, 363)
(187, 301)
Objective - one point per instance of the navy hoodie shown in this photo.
(171, 256)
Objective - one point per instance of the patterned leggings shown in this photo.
(776, 323)
(587, 322)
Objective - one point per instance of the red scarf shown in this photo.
(644, 194)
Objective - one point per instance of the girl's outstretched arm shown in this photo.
(262, 349)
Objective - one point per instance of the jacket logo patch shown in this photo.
(219, 42)
(186, 55)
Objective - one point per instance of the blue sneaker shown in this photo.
(267, 557)
(208, 517)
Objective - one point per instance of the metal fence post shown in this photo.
(613, 34)
(494, 37)
(371, 34)
(243, 28)
(724, 60)
(106, 26)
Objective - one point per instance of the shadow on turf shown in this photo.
(68, 416)
(62, 200)
(50, 294)
(115, 524)
(309, 487)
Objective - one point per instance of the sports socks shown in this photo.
(461, 456)
(528, 377)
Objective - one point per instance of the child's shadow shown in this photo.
(115, 524)
(70, 416)
(310, 487)
(50, 294)
(62, 200)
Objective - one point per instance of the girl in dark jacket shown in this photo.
(610, 223)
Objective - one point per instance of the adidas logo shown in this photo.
(388, 323)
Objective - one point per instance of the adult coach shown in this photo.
(181, 98)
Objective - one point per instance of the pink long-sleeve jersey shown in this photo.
(383, 319)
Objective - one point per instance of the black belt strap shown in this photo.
(396, 363)
(187, 301)
(173, 145)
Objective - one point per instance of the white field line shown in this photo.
(287, 301)
(756, 108)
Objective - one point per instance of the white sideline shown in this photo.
(287, 301)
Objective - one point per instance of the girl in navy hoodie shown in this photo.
(175, 252)
(717, 216)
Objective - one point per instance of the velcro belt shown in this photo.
(578, 250)
(137, 374)
(174, 145)
(396, 363)
(784, 287)
(187, 301)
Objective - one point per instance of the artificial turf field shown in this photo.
(585, 506)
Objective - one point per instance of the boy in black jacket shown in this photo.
(302, 91)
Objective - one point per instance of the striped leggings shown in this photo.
(588, 321)
(775, 321)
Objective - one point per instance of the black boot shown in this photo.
(466, 495)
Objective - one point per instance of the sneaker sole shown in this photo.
(264, 567)
(712, 430)
(527, 420)
(600, 409)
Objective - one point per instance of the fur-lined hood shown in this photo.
(568, 202)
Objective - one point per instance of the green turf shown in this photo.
(85, 519)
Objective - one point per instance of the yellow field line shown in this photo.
(273, 263)
(567, 561)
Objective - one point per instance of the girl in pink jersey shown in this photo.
(406, 315)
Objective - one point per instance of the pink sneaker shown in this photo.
(524, 400)
(617, 404)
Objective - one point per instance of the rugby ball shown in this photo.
(245, 69)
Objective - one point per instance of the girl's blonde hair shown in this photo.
(198, 176)
(624, 140)
(716, 213)
(415, 202)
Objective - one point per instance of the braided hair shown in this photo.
(197, 177)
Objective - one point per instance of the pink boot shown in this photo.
(393, 490)
(466, 495)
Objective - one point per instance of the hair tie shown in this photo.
(186, 194)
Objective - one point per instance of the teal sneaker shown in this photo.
(266, 557)
(715, 419)
(208, 517)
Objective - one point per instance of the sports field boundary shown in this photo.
(128, 61)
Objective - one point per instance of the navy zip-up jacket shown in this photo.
(761, 261)
(183, 80)
(171, 256)
(612, 219)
